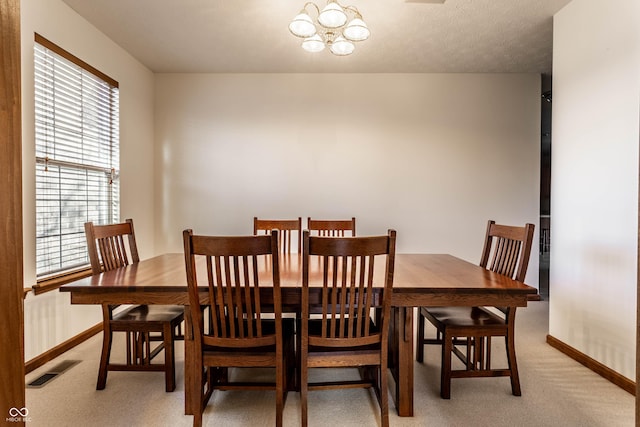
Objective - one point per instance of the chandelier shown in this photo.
(335, 26)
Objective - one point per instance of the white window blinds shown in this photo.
(77, 155)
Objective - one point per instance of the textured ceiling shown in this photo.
(251, 36)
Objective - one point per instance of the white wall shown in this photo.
(594, 201)
(432, 155)
(49, 318)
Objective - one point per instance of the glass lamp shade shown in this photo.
(342, 47)
(356, 30)
(313, 44)
(332, 16)
(302, 26)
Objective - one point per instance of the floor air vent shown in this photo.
(52, 373)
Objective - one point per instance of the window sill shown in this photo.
(52, 283)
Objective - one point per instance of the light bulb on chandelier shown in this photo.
(335, 26)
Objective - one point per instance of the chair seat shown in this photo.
(315, 330)
(315, 326)
(268, 328)
(462, 316)
(150, 313)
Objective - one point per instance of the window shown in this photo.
(77, 156)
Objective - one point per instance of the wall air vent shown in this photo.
(52, 373)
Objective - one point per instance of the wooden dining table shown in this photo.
(420, 280)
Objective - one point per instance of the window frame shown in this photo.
(53, 280)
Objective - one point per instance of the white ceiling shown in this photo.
(252, 36)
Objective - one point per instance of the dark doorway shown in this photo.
(545, 186)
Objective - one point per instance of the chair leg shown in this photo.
(178, 330)
(291, 369)
(130, 348)
(280, 390)
(420, 340)
(147, 347)
(304, 378)
(199, 409)
(298, 347)
(137, 348)
(104, 357)
(445, 373)
(384, 399)
(487, 353)
(169, 358)
(513, 366)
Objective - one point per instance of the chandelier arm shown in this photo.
(352, 9)
(304, 8)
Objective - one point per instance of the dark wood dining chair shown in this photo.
(113, 246)
(506, 251)
(343, 333)
(287, 230)
(332, 227)
(238, 334)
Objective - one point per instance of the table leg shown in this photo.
(401, 349)
(190, 392)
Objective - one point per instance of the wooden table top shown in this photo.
(419, 279)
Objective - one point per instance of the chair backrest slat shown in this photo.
(107, 248)
(285, 227)
(233, 288)
(348, 295)
(332, 228)
(507, 249)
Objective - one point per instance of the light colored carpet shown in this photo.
(556, 391)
